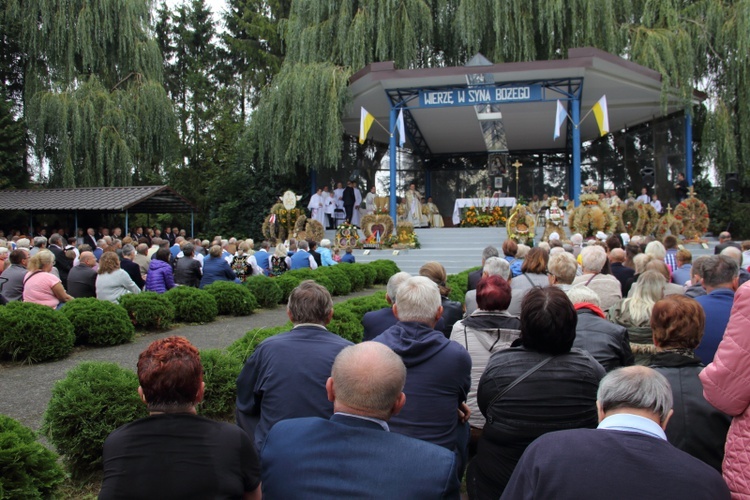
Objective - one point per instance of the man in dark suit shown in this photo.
(618, 269)
(475, 276)
(62, 263)
(82, 278)
(285, 377)
(634, 406)
(349, 199)
(376, 322)
(129, 266)
(353, 455)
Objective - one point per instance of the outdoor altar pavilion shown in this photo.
(484, 108)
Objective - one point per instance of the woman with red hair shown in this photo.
(174, 453)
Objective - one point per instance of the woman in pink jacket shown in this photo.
(726, 385)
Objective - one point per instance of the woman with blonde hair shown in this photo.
(452, 310)
(279, 262)
(634, 313)
(112, 282)
(40, 285)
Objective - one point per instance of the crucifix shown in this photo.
(518, 165)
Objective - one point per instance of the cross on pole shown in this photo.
(518, 165)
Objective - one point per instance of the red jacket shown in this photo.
(726, 385)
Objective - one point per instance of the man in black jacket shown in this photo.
(349, 199)
(607, 342)
(62, 263)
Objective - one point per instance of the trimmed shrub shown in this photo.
(361, 305)
(318, 276)
(369, 273)
(33, 333)
(346, 325)
(458, 283)
(265, 289)
(93, 399)
(356, 276)
(341, 283)
(232, 298)
(99, 322)
(148, 310)
(385, 269)
(243, 348)
(287, 282)
(29, 470)
(220, 372)
(192, 305)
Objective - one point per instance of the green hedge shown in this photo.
(385, 269)
(459, 283)
(244, 347)
(356, 276)
(192, 305)
(287, 282)
(32, 332)
(232, 298)
(265, 290)
(99, 322)
(317, 276)
(346, 325)
(28, 470)
(361, 305)
(369, 272)
(93, 399)
(148, 310)
(220, 371)
(340, 280)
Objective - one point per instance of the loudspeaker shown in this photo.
(732, 182)
(647, 174)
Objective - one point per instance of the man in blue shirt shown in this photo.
(720, 279)
(627, 456)
(286, 375)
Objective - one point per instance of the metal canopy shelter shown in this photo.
(137, 199)
(522, 95)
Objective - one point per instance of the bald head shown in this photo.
(367, 379)
(617, 255)
(87, 259)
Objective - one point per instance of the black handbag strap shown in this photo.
(518, 381)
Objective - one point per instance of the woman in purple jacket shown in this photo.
(160, 277)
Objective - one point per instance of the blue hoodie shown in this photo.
(438, 378)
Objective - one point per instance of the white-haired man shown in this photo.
(608, 287)
(627, 456)
(439, 371)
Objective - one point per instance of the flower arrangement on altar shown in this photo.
(283, 219)
(591, 216)
(347, 235)
(693, 214)
(484, 217)
(405, 237)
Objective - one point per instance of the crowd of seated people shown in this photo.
(597, 361)
(107, 264)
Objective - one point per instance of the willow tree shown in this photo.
(94, 102)
(698, 44)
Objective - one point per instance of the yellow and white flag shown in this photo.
(559, 119)
(602, 115)
(365, 123)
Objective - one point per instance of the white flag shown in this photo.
(559, 118)
(400, 127)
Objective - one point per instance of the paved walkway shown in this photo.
(25, 390)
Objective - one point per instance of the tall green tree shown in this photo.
(94, 103)
(692, 44)
(13, 172)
